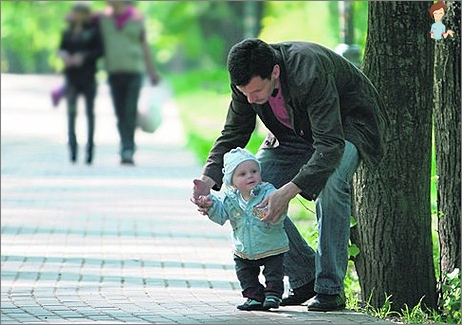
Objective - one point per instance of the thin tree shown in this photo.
(392, 202)
(447, 139)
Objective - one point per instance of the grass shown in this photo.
(419, 314)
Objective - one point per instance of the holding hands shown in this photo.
(200, 196)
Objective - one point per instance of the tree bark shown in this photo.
(392, 202)
(447, 139)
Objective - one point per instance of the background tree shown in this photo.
(447, 139)
(29, 36)
(392, 202)
(184, 35)
(197, 34)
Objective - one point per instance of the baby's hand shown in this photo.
(204, 203)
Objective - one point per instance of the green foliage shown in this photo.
(383, 312)
(202, 110)
(419, 314)
(351, 284)
(313, 18)
(450, 303)
(201, 145)
(174, 29)
(416, 314)
(353, 250)
(434, 211)
(29, 37)
(317, 21)
(214, 81)
(203, 98)
(182, 34)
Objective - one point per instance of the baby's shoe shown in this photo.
(251, 304)
(271, 302)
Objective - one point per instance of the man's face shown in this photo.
(258, 90)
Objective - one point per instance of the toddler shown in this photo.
(256, 243)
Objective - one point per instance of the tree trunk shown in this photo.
(392, 202)
(447, 139)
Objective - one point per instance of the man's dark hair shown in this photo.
(250, 58)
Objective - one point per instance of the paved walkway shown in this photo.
(108, 243)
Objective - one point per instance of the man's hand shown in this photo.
(277, 202)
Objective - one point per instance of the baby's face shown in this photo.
(246, 176)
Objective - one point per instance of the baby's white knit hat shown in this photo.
(232, 159)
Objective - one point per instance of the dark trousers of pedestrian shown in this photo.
(248, 272)
(87, 88)
(125, 91)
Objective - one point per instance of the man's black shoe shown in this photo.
(299, 295)
(323, 302)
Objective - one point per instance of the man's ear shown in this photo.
(276, 71)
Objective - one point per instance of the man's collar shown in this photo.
(275, 92)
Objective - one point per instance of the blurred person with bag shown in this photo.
(150, 103)
(127, 56)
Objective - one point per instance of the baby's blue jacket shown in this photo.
(252, 238)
